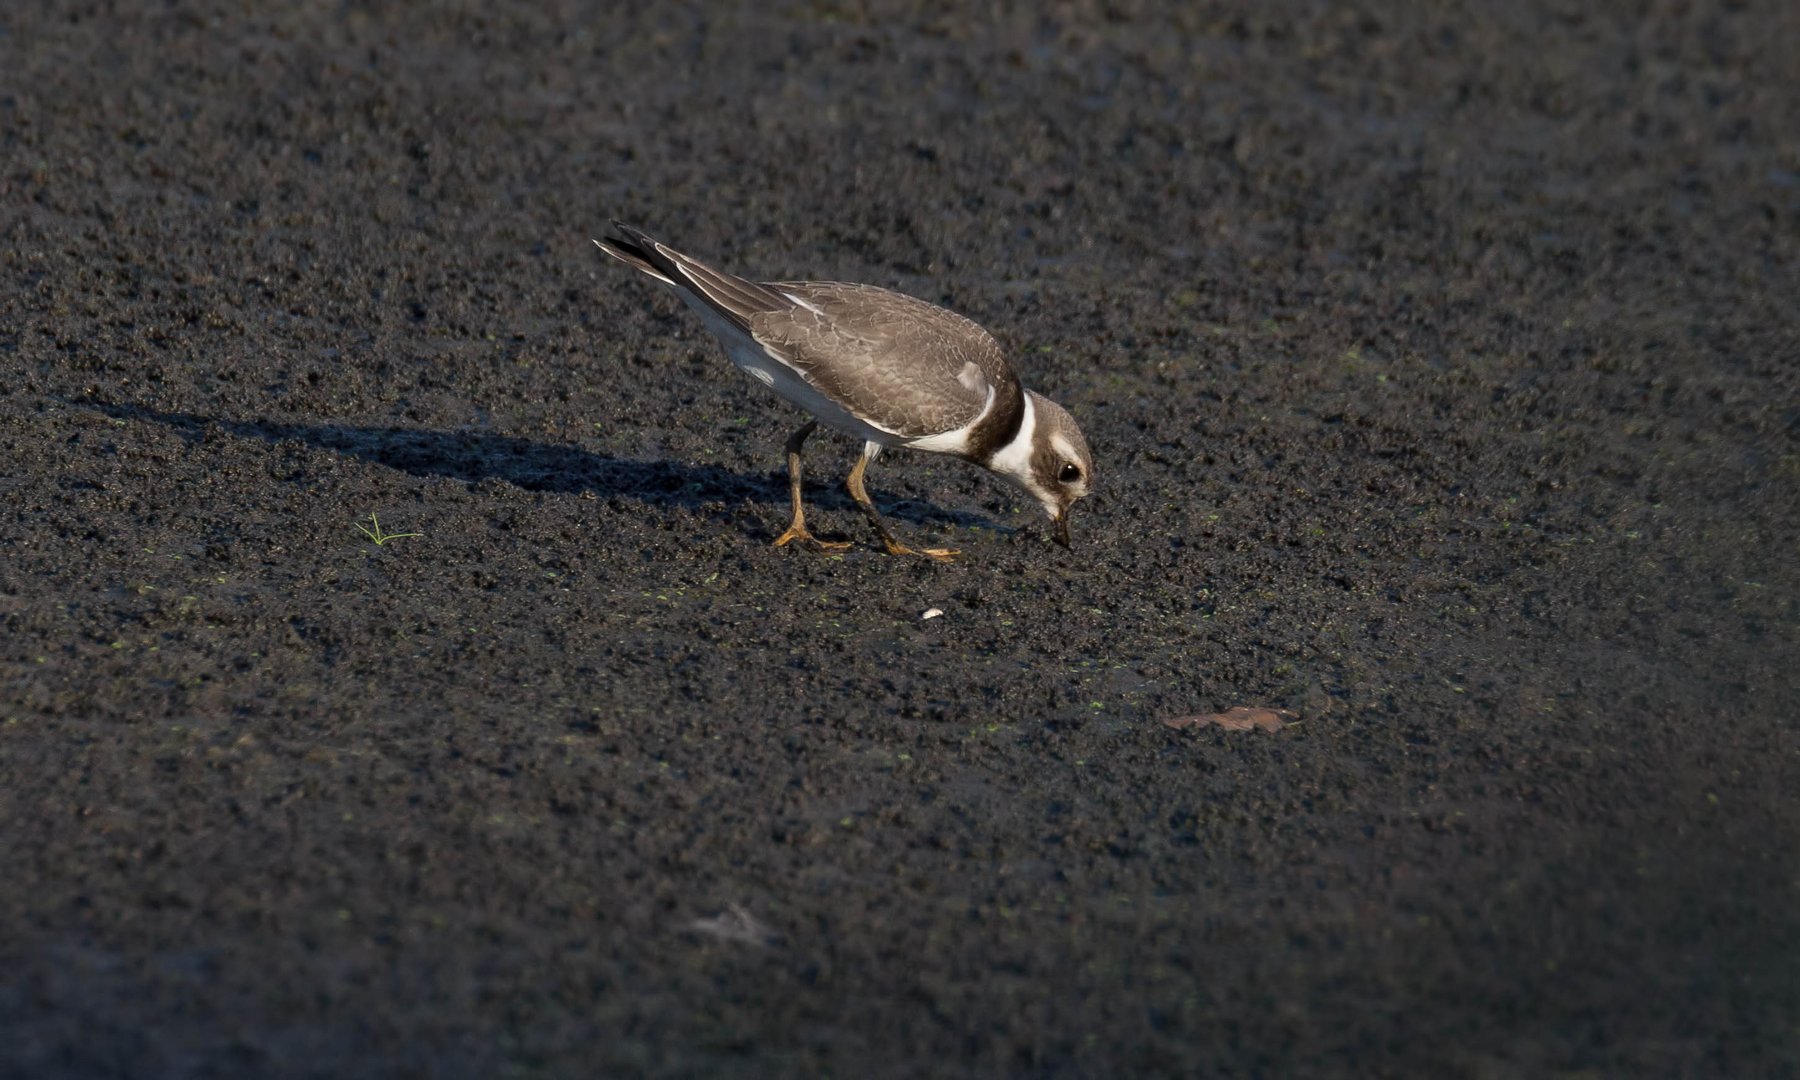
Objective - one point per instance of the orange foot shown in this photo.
(803, 537)
(940, 554)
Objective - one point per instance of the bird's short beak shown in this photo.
(1062, 528)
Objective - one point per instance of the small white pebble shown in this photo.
(932, 614)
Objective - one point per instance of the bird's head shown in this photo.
(1049, 458)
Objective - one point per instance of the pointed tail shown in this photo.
(736, 298)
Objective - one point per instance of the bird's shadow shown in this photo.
(473, 456)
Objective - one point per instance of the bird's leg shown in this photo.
(861, 495)
(798, 532)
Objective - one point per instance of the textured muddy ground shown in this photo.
(1445, 379)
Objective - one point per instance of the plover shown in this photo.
(884, 368)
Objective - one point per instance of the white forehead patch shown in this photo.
(1065, 448)
(972, 378)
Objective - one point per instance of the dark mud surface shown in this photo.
(1444, 377)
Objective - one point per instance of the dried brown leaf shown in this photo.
(1238, 718)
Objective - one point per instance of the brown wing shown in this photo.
(906, 366)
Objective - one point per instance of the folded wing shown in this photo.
(905, 366)
(909, 367)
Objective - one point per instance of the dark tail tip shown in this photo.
(635, 247)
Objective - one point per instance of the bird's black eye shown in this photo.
(1070, 473)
